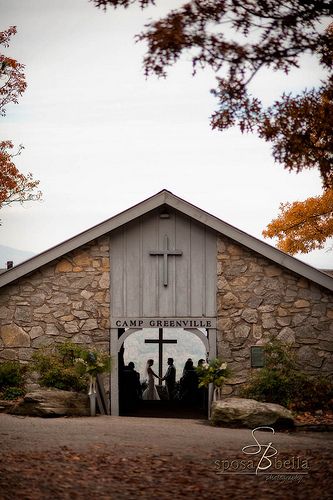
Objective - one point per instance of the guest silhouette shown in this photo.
(188, 390)
(186, 364)
(131, 368)
(130, 387)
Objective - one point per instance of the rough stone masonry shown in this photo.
(69, 299)
(257, 299)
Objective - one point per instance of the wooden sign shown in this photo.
(163, 322)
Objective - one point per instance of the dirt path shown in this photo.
(130, 458)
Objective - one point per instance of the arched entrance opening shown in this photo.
(154, 343)
(163, 275)
(137, 345)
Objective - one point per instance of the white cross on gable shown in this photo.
(165, 253)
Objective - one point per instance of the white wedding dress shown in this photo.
(150, 393)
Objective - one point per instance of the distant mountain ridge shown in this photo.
(14, 254)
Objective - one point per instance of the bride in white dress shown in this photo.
(151, 392)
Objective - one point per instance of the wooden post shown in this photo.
(114, 371)
(92, 395)
(212, 355)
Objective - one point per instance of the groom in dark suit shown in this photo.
(170, 378)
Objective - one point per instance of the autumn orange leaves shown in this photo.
(14, 186)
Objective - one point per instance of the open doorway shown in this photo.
(185, 399)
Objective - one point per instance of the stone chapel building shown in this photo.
(165, 263)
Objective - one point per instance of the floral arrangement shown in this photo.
(93, 362)
(69, 366)
(215, 372)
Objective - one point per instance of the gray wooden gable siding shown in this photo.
(137, 288)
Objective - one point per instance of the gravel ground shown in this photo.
(133, 458)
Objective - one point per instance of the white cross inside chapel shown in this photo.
(165, 252)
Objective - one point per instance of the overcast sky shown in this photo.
(100, 137)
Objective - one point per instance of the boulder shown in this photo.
(52, 403)
(239, 412)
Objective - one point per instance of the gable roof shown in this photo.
(161, 199)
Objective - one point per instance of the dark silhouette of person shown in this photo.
(131, 367)
(186, 364)
(188, 390)
(150, 393)
(131, 387)
(170, 378)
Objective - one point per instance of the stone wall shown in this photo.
(69, 299)
(256, 299)
(66, 300)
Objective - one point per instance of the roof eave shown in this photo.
(152, 203)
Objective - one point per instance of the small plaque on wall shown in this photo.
(257, 357)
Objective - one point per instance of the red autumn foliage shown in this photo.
(14, 186)
(12, 78)
(239, 39)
